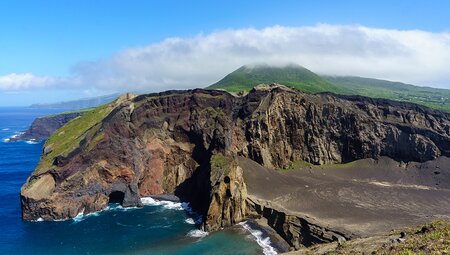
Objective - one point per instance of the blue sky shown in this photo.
(62, 45)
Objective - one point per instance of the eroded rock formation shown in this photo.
(170, 142)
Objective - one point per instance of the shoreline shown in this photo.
(254, 225)
(276, 241)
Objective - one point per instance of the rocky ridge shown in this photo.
(186, 143)
(44, 127)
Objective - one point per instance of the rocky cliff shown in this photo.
(185, 143)
(44, 127)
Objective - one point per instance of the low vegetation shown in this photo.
(431, 97)
(300, 164)
(69, 112)
(246, 77)
(218, 160)
(69, 136)
(432, 238)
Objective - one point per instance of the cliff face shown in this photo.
(44, 127)
(183, 142)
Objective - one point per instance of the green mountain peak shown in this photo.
(292, 75)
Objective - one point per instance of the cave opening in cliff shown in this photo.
(116, 197)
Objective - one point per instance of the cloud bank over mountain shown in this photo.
(412, 56)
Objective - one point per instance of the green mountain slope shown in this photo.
(431, 97)
(246, 77)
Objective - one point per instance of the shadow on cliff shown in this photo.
(197, 189)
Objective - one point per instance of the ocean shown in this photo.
(157, 228)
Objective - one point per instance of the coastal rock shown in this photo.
(44, 127)
(228, 194)
(298, 231)
(169, 143)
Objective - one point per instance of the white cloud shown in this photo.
(15, 81)
(412, 56)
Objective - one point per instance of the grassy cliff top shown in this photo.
(68, 137)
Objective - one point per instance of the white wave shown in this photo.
(5, 129)
(198, 218)
(32, 141)
(38, 220)
(165, 204)
(80, 216)
(263, 242)
(190, 221)
(148, 201)
(197, 233)
(6, 140)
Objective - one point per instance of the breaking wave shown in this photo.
(195, 218)
(190, 221)
(32, 141)
(112, 207)
(6, 140)
(165, 204)
(197, 233)
(264, 242)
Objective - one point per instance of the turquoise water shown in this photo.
(155, 229)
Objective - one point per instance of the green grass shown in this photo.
(432, 97)
(218, 160)
(300, 164)
(297, 164)
(246, 77)
(435, 241)
(222, 162)
(338, 166)
(68, 137)
(69, 112)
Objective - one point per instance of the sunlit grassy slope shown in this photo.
(246, 77)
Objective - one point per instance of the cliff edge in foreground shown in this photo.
(193, 144)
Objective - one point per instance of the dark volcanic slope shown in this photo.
(186, 142)
(365, 197)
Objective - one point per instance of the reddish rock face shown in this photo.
(163, 143)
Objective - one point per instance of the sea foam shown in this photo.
(190, 221)
(197, 233)
(7, 140)
(165, 204)
(195, 218)
(263, 242)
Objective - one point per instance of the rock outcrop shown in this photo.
(228, 204)
(298, 231)
(172, 142)
(44, 127)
